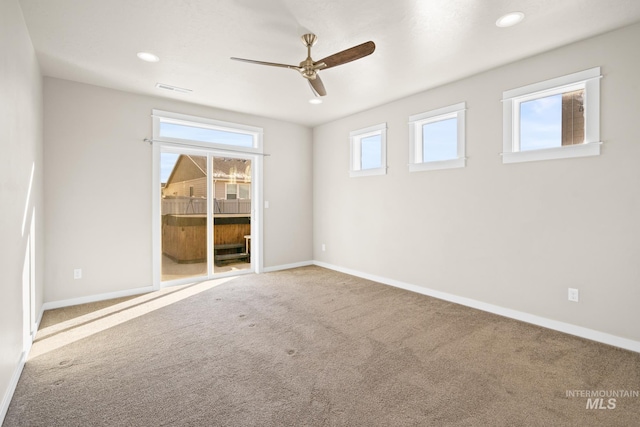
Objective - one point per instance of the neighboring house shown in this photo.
(186, 188)
(188, 178)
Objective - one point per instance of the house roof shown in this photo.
(228, 168)
(189, 168)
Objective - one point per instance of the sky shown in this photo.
(440, 140)
(541, 123)
(195, 133)
(167, 162)
(371, 154)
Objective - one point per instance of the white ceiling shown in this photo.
(420, 44)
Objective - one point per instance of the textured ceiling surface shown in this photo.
(420, 44)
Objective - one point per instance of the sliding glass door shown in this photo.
(206, 213)
(207, 216)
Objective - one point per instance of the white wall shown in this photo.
(94, 147)
(515, 236)
(20, 153)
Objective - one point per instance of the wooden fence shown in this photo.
(184, 237)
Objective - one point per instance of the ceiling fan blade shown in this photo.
(317, 87)
(348, 55)
(271, 64)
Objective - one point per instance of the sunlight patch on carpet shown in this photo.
(64, 333)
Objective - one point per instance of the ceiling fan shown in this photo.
(309, 68)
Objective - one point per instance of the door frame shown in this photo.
(257, 222)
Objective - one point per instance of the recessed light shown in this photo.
(510, 19)
(149, 57)
(315, 101)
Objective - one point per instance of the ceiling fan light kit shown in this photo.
(309, 68)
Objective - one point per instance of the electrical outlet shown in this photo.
(574, 295)
(77, 273)
(324, 247)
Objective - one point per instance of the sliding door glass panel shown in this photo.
(231, 183)
(183, 183)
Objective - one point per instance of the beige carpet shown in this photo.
(312, 347)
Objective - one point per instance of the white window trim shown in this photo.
(184, 119)
(416, 122)
(511, 100)
(356, 158)
(237, 185)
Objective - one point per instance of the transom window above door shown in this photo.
(180, 128)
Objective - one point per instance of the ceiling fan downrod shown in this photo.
(308, 68)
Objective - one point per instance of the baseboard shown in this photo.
(8, 395)
(95, 298)
(288, 266)
(544, 322)
(39, 319)
(129, 292)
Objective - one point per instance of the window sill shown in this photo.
(368, 172)
(570, 151)
(442, 164)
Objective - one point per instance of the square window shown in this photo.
(557, 118)
(369, 151)
(437, 139)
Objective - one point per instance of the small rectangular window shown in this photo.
(557, 118)
(208, 133)
(368, 151)
(244, 191)
(436, 139)
(231, 191)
